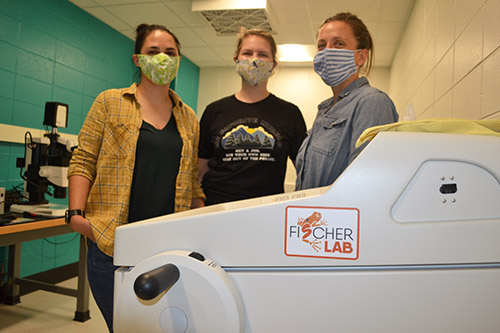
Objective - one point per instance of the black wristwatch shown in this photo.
(72, 212)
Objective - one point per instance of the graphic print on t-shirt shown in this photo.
(245, 137)
(249, 139)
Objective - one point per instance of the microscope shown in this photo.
(46, 163)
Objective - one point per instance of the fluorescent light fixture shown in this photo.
(200, 5)
(296, 53)
(225, 17)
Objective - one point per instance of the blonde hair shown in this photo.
(244, 33)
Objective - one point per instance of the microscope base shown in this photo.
(49, 210)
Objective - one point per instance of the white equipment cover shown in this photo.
(406, 240)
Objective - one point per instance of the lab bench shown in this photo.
(14, 235)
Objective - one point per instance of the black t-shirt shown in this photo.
(157, 160)
(247, 146)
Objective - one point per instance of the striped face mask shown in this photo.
(334, 66)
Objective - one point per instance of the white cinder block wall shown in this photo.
(448, 60)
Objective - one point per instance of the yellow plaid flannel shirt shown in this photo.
(106, 156)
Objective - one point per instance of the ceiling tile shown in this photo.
(300, 33)
(290, 11)
(365, 10)
(188, 38)
(150, 13)
(183, 10)
(105, 16)
(297, 22)
(84, 3)
(210, 38)
(395, 10)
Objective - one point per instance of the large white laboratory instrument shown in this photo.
(406, 240)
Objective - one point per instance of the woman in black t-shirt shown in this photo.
(246, 138)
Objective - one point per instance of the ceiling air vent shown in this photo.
(227, 16)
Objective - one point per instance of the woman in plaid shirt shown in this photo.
(136, 158)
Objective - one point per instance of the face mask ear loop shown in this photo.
(358, 68)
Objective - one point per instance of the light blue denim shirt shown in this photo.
(330, 144)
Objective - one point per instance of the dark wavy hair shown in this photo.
(142, 32)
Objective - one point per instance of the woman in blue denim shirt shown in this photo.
(344, 47)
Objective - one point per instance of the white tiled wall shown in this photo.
(448, 61)
(298, 85)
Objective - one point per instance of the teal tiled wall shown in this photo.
(187, 82)
(51, 50)
(55, 51)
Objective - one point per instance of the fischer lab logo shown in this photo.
(322, 232)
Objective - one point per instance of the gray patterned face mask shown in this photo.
(160, 68)
(254, 71)
(334, 66)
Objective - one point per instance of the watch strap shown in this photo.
(72, 212)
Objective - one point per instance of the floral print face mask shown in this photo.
(159, 68)
(254, 71)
